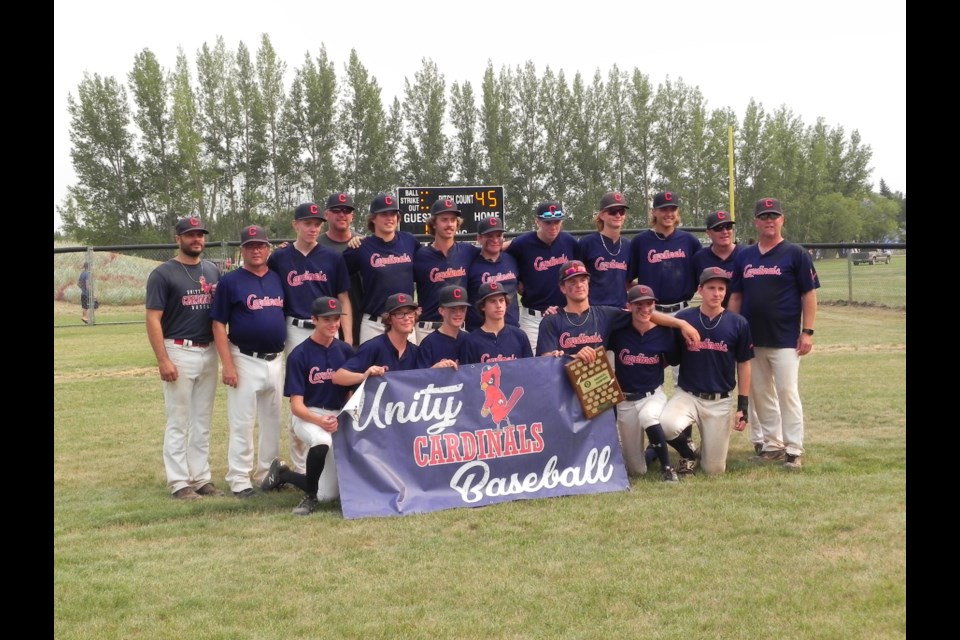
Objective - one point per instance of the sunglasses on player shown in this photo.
(552, 214)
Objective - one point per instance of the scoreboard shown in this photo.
(476, 203)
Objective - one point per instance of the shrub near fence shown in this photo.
(118, 277)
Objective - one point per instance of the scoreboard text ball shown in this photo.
(476, 204)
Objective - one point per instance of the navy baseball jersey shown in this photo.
(432, 271)
(385, 268)
(571, 332)
(608, 263)
(711, 367)
(381, 352)
(437, 346)
(322, 272)
(665, 264)
(481, 346)
(503, 271)
(707, 258)
(639, 359)
(185, 294)
(539, 265)
(252, 308)
(772, 284)
(310, 369)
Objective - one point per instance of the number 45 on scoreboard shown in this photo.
(476, 203)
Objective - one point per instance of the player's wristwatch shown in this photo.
(809, 332)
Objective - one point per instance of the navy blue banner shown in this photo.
(431, 439)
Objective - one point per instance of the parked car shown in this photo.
(869, 257)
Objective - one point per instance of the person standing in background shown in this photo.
(603, 252)
(179, 296)
(722, 249)
(493, 264)
(339, 215)
(84, 283)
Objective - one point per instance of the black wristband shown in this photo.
(809, 332)
(743, 403)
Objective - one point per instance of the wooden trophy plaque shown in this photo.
(595, 384)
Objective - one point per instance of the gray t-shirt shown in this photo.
(184, 294)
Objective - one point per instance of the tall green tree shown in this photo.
(270, 79)
(106, 199)
(496, 125)
(467, 157)
(588, 167)
(641, 177)
(313, 116)
(427, 160)
(252, 155)
(192, 174)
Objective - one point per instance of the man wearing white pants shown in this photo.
(250, 301)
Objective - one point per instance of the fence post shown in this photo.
(849, 280)
(91, 288)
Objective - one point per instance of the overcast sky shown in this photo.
(842, 60)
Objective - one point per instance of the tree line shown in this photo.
(230, 139)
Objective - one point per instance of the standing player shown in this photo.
(775, 287)
(494, 340)
(709, 372)
(722, 249)
(250, 301)
(662, 256)
(384, 261)
(179, 295)
(493, 264)
(539, 255)
(308, 271)
(641, 352)
(443, 262)
(339, 215)
(604, 254)
(443, 345)
(315, 402)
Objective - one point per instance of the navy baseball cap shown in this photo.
(444, 205)
(489, 225)
(550, 210)
(573, 268)
(453, 296)
(384, 202)
(326, 306)
(767, 205)
(711, 273)
(307, 210)
(613, 199)
(488, 289)
(340, 199)
(253, 233)
(665, 199)
(186, 225)
(399, 301)
(717, 218)
(640, 292)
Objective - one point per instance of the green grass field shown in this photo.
(756, 553)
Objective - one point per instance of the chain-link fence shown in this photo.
(118, 276)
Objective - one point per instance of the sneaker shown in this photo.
(209, 489)
(686, 466)
(271, 481)
(757, 447)
(669, 475)
(186, 494)
(245, 493)
(793, 462)
(307, 506)
(770, 456)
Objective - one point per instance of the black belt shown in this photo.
(191, 343)
(670, 308)
(710, 396)
(259, 354)
(303, 324)
(374, 317)
(430, 325)
(638, 395)
(533, 312)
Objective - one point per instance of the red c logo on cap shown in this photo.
(493, 222)
(448, 204)
(668, 196)
(721, 215)
(768, 202)
(194, 222)
(493, 286)
(342, 197)
(387, 200)
(251, 231)
(618, 197)
(332, 303)
(314, 210)
(457, 294)
(401, 297)
(553, 208)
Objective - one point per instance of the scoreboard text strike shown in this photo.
(476, 204)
